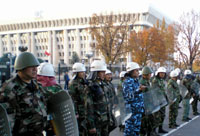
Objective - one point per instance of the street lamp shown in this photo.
(89, 55)
(59, 72)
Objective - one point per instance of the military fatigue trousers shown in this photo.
(186, 108)
(173, 113)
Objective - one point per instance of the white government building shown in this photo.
(62, 37)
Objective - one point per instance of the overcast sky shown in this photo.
(27, 9)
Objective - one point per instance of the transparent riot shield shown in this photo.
(160, 96)
(4, 124)
(61, 108)
(195, 86)
(183, 90)
(171, 96)
(151, 102)
(121, 112)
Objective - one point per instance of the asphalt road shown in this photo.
(191, 128)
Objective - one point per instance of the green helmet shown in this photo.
(146, 70)
(25, 59)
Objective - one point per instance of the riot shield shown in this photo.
(121, 112)
(171, 96)
(4, 124)
(160, 96)
(183, 90)
(151, 102)
(195, 86)
(61, 108)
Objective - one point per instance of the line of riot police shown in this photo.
(32, 102)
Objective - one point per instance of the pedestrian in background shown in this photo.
(66, 79)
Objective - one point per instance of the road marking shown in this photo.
(174, 130)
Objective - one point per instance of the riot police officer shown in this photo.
(24, 99)
(173, 88)
(100, 99)
(159, 81)
(132, 92)
(147, 126)
(79, 93)
(187, 82)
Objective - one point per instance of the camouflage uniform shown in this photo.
(172, 86)
(147, 120)
(110, 90)
(100, 103)
(79, 94)
(187, 82)
(160, 115)
(26, 106)
(195, 87)
(134, 102)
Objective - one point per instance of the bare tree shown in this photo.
(111, 35)
(188, 45)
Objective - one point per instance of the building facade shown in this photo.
(56, 40)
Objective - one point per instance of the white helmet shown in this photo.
(174, 73)
(108, 71)
(98, 65)
(122, 74)
(178, 70)
(132, 66)
(161, 70)
(46, 69)
(187, 72)
(78, 67)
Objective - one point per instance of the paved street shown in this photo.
(191, 128)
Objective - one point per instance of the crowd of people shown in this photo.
(144, 94)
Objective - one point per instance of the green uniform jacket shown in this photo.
(78, 90)
(173, 88)
(25, 105)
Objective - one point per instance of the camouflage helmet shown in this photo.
(146, 70)
(24, 60)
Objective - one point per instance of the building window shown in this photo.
(68, 38)
(60, 54)
(46, 47)
(81, 53)
(38, 54)
(70, 53)
(70, 46)
(58, 46)
(72, 38)
(81, 45)
(81, 38)
(36, 47)
(84, 37)
(61, 46)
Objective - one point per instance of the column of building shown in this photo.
(9, 43)
(29, 42)
(18, 44)
(50, 47)
(66, 47)
(77, 45)
(1, 46)
(33, 49)
(55, 50)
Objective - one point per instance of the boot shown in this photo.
(161, 130)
